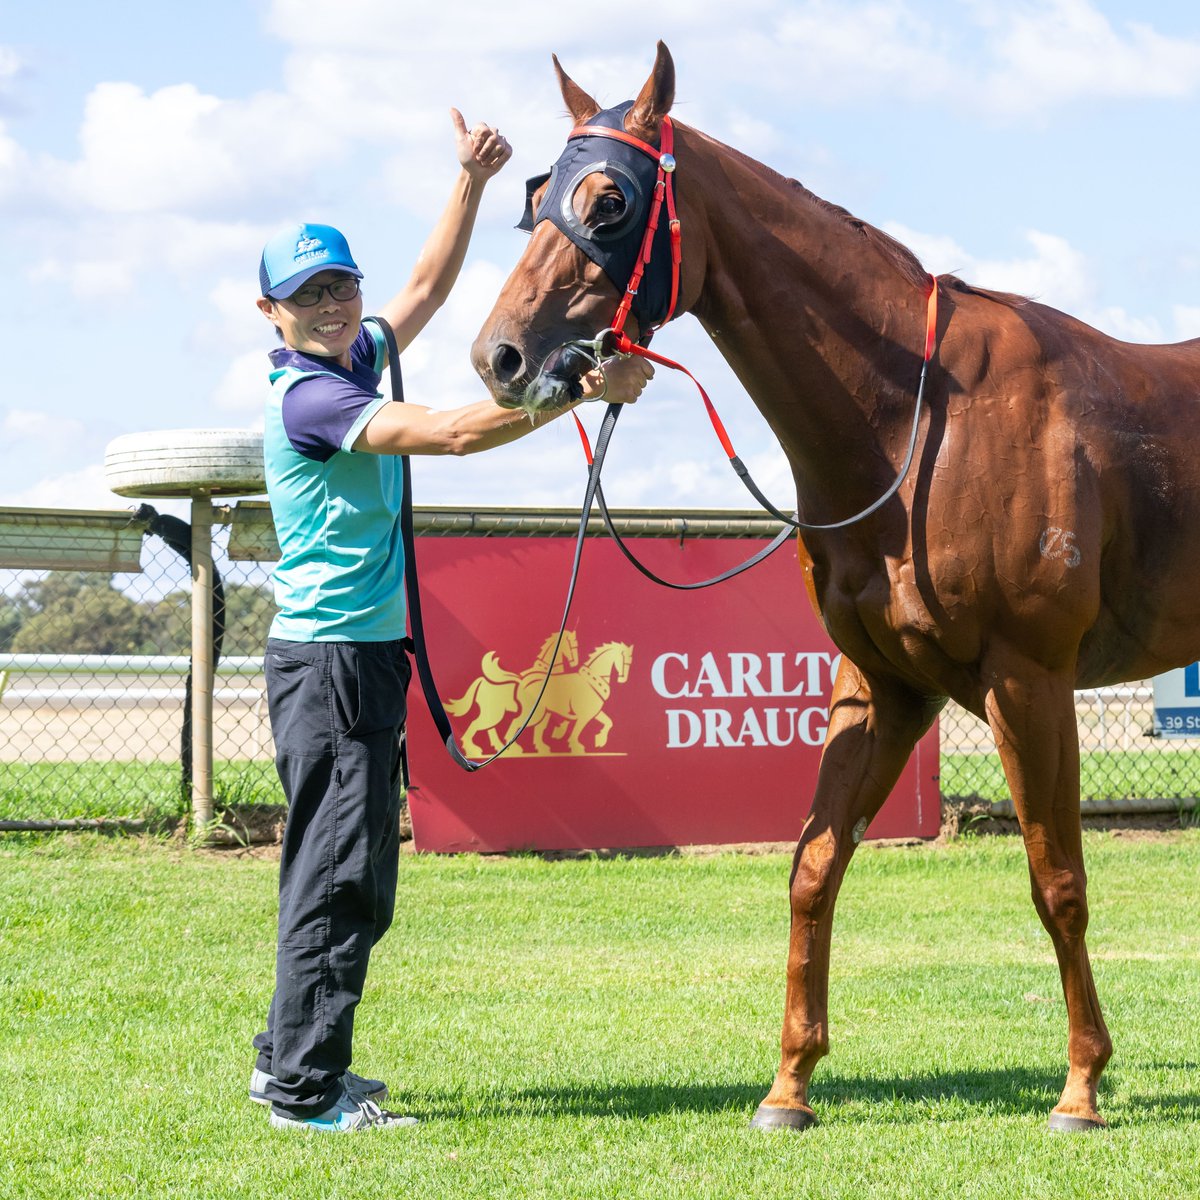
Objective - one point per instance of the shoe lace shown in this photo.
(372, 1114)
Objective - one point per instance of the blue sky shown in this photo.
(147, 151)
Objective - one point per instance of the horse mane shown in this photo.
(1009, 299)
(595, 654)
(899, 255)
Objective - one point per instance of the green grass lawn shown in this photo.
(121, 789)
(1103, 775)
(151, 790)
(599, 1028)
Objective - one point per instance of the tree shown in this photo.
(249, 611)
(12, 615)
(78, 612)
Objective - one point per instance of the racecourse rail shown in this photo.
(100, 711)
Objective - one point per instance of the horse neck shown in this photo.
(560, 649)
(821, 316)
(602, 663)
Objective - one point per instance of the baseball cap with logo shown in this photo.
(294, 255)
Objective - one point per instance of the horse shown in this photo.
(576, 696)
(1045, 537)
(494, 692)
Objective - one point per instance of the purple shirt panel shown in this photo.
(319, 411)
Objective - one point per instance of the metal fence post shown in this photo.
(202, 659)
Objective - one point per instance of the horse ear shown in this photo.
(655, 99)
(579, 104)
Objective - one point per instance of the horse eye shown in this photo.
(610, 206)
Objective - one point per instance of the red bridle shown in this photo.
(663, 190)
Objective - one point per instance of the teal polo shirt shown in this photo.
(340, 576)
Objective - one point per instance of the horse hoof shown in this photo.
(1062, 1123)
(783, 1118)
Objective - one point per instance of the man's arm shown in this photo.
(481, 153)
(415, 429)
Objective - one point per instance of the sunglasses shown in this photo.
(310, 294)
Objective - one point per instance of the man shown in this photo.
(335, 666)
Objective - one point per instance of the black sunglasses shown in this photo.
(310, 294)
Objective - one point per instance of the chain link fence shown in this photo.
(95, 711)
(95, 635)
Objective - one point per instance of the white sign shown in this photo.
(1177, 702)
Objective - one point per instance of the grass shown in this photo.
(1103, 775)
(151, 791)
(598, 1028)
(137, 790)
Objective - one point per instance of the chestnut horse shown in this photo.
(1046, 537)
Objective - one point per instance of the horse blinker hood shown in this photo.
(614, 246)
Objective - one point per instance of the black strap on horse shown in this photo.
(784, 535)
(412, 585)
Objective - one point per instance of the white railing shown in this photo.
(123, 664)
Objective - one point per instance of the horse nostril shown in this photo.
(506, 362)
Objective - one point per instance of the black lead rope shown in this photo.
(784, 535)
(412, 586)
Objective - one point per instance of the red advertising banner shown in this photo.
(671, 718)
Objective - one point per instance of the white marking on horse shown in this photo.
(1060, 543)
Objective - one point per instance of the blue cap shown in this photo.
(294, 255)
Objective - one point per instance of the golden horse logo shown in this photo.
(494, 692)
(575, 697)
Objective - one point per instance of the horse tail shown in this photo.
(493, 672)
(456, 708)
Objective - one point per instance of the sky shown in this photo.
(147, 150)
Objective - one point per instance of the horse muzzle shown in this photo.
(515, 384)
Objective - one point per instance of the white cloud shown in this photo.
(847, 50)
(1056, 273)
(1119, 323)
(1187, 321)
(40, 426)
(108, 256)
(14, 165)
(181, 151)
(242, 389)
(85, 488)
(1064, 50)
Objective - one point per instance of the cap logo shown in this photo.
(309, 247)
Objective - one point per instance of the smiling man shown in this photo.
(335, 665)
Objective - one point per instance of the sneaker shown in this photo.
(349, 1115)
(372, 1089)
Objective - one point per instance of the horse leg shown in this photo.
(873, 727)
(606, 723)
(468, 738)
(1032, 715)
(540, 726)
(574, 738)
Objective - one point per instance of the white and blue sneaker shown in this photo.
(371, 1089)
(350, 1114)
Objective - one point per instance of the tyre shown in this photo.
(183, 462)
